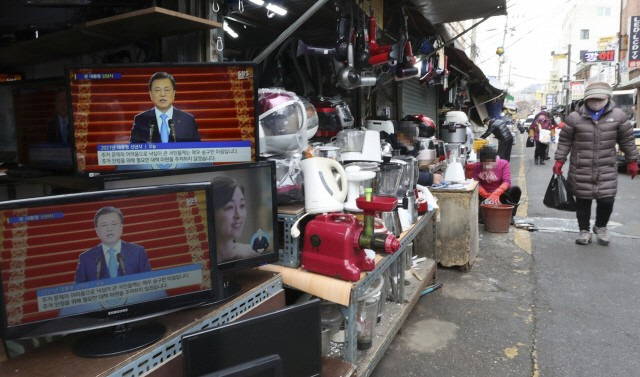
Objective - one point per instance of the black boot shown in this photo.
(536, 160)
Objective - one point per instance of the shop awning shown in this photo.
(441, 11)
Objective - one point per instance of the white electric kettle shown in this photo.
(322, 193)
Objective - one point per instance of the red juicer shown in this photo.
(334, 243)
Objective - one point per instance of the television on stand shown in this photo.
(38, 110)
(162, 116)
(252, 234)
(291, 333)
(106, 260)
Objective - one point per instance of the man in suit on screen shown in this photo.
(163, 123)
(112, 257)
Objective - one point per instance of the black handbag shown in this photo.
(530, 142)
(559, 194)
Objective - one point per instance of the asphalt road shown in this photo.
(534, 303)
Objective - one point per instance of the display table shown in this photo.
(347, 294)
(457, 241)
(261, 292)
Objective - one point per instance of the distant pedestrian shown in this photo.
(590, 134)
(542, 121)
(501, 132)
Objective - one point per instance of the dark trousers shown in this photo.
(604, 207)
(504, 149)
(541, 151)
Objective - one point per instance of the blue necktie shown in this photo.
(113, 263)
(164, 129)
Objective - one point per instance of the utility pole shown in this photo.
(568, 109)
(504, 37)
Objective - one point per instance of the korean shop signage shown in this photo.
(634, 42)
(599, 56)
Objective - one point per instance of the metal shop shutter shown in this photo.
(419, 99)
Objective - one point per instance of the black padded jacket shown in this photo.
(499, 129)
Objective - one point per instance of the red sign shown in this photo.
(599, 56)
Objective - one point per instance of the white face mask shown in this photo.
(596, 104)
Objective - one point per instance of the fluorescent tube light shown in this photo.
(276, 9)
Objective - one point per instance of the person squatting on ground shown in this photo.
(542, 120)
(494, 180)
(500, 130)
(590, 134)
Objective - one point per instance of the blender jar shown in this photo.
(388, 179)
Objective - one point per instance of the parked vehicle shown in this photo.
(627, 100)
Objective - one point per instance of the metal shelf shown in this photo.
(350, 345)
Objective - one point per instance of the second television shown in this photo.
(244, 206)
(162, 116)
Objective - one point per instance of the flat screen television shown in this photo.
(292, 333)
(252, 231)
(43, 132)
(86, 261)
(119, 124)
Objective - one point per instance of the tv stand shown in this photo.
(118, 339)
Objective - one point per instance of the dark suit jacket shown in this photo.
(54, 134)
(93, 266)
(145, 128)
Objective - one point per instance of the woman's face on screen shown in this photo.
(230, 218)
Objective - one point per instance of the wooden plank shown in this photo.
(103, 34)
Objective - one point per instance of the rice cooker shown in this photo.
(454, 128)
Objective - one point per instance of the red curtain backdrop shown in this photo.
(40, 254)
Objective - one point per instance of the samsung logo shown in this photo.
(118, 311)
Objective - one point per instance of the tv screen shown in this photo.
(141, 117)
(8, 141)
(82, 261)
(244, 207)
(292, 333)
(42, 124)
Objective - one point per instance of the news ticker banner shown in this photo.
(70, 295)
(174, 153)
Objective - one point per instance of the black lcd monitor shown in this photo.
(43, 129)
(8, 140)
(245, 208)
(163, 116)
(292, 333)
(268, 366)
(80, 262)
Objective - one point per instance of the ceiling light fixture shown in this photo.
(229, 30)
(257, 2)
(276, 9)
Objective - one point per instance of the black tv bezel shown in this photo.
(234, 265)
(67, 77)
(42, 165)
(271, 363)
(110, 317)
(189, 341)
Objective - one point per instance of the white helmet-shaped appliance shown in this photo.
(282, 121)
